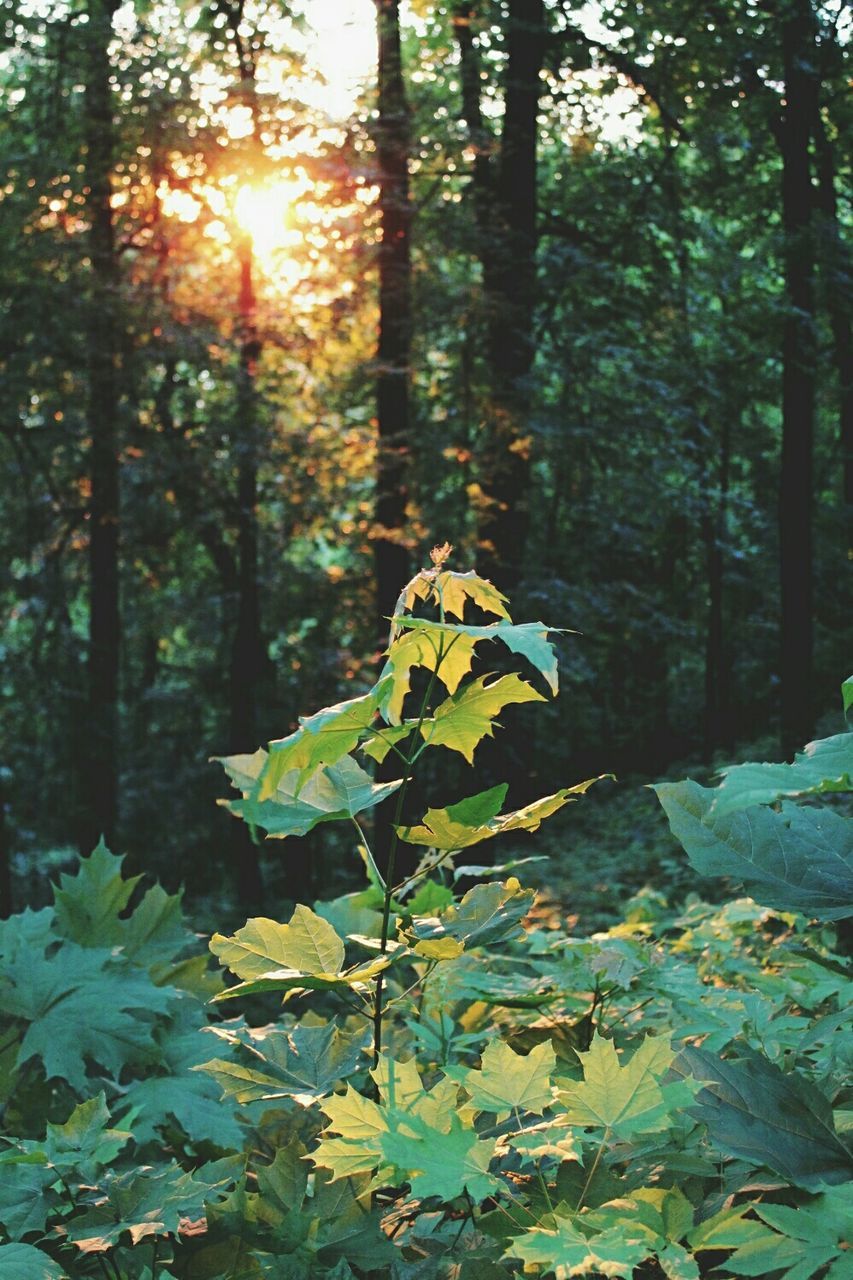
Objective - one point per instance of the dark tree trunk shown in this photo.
(838, 286)
(717, 719)
(247, 650)
(5, 856)
(798, 380)
(101, 765)
(391, 558)
(511, 284)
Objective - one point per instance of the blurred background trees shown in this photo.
(567, 286)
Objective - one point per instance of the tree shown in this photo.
(393, 411)
(103, 338)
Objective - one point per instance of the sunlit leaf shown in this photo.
(530, 639)
(625, 1097)
(338, 791)
(469, 821)
(467, 716)
(321, 739)
(506, 1081)
(307, 943)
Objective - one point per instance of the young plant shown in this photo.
(313, 776)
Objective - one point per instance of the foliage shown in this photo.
(465, 1095)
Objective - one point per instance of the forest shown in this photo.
(343, 342)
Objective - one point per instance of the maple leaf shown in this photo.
(507, 1081)
(625, 1099)
(476, 818)
(465, 718)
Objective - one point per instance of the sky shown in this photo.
(343, 48)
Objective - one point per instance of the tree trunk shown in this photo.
(247, 650)
(101, 765)
(511, 282)
(798, 381)
(717, 728)
(838, 284)
(391, 558)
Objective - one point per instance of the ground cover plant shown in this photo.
(419, 1082)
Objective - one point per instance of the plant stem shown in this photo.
(599, 1153)
(392, 855)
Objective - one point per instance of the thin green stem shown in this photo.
(392, 855)
(592, 1172)
(418, 982)
(371, 861)
(154, 1259)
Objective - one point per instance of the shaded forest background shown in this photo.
(570, 288)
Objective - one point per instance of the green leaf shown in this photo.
(440, 1164)
(507, 1081)
(530, 639)
(429, 898)
(800, 859)
(84, 1141)
(559, 1246)
(82, 1005)
(284, 1182)
(625, 1099)
(469, 821)
(24, 1262)
(759, 1113)
(88, 903)
(823, 766)
(308, 944)
(143, 1204)
(488, 913)
(413, 1136)
(465, 718)
(26, 1198)
(847, 694)
(321, 739)
(305, 1062)
(177, 1093)
(156, 930)
(339, 791)
(811, 1236)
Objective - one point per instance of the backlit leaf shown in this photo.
(339, 791)
(561, 1248)
(418, 649)
(507, 1081)
(530, 639)
(626, 1097)
(308, 943)
(321, 739)
(467, 716)
(469, 821)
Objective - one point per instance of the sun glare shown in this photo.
(265, 213)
